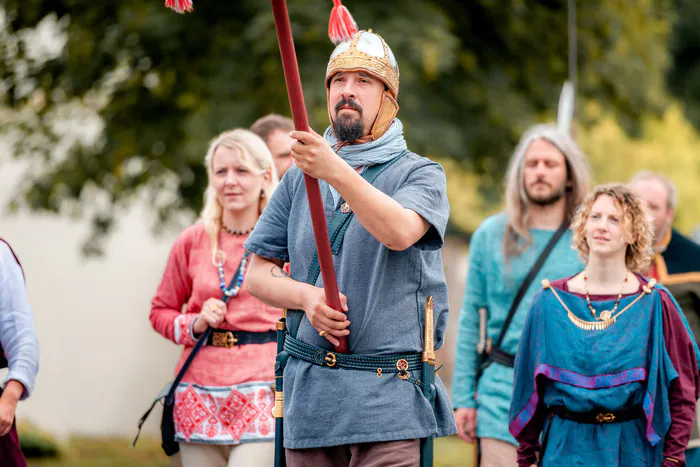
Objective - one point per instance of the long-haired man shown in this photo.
(548, 177)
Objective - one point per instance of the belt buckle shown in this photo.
(402, 366)
(605, 417)
(330, 359)
(224, 339)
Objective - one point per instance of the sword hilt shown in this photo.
(280, 362)
(484, 344)
(429, 338)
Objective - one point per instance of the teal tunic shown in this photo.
(492, 283)
(623, 367)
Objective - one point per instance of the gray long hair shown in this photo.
(518, 236)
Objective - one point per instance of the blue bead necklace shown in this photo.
(233, 291)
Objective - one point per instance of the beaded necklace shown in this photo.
(605, 314)
(233, 291)
(237, 233)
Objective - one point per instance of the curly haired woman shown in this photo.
(607, 372)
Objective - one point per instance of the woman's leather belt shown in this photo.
(599, 416)
(228, 339)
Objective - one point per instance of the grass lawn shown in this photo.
(106, 452)
(116, 452)
(453, 452)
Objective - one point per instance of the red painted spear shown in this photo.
(340, 28)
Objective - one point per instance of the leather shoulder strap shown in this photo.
(529, 278)
(202, 339)
(336, 231)
(341, 220)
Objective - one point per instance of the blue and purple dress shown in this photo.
(622, 395)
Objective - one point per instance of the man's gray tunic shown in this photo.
(386, 293)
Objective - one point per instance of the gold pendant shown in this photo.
(605, 315)
(589, 325)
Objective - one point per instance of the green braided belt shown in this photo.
(396, 363)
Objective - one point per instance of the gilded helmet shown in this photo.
(368, 52)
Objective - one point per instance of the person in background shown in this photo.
(676, 264)
(19, 351)
(607, 369)
(274, 130)
(548, 177)
(223, 405)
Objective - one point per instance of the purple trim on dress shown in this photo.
(587, 382)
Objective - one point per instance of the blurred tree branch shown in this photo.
(113, 100)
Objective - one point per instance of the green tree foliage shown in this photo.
(474, 75)
(684, 74)
(668, 145)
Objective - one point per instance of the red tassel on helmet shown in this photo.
(341, 26)
(180, 6)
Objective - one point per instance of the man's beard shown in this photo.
(348, 128)
(548, 199)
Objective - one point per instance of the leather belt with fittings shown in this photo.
(228, 339)
(598, 417)
(401, 364)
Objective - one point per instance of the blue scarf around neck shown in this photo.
(390, 145)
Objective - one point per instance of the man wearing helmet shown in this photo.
(387, 210)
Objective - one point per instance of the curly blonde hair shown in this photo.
(636, 225)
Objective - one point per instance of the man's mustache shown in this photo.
(542, 182)
(347, 102)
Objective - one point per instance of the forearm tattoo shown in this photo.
(277, 271)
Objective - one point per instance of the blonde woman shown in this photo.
(607, 372)
(223, 404)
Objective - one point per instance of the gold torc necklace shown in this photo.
(600, 323)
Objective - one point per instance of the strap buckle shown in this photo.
(605, 417)
(224, 339)
(330, 359)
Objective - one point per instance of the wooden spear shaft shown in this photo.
(313, 191)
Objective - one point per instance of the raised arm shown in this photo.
(393, 225)
(397, 222)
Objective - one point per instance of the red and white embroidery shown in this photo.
(237, 413)
(189, 412)
(182, 333)
(224, 415)
(265, 404)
